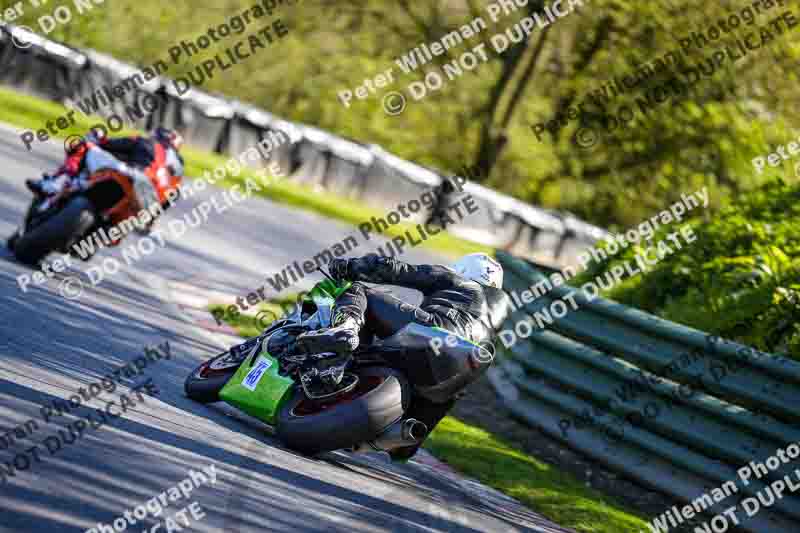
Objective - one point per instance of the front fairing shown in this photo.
(258, 388)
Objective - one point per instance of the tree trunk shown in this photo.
(510, 87)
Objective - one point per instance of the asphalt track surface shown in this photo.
(51, 346)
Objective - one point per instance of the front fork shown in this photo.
(38, 210)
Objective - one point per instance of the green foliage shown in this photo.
(705, 138)
(740, 279)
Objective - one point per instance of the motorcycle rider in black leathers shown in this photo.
(466, 299)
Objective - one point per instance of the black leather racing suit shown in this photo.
(136, 151)
(450, 302)
(140, 152)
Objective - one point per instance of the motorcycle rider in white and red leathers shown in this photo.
(138, 157)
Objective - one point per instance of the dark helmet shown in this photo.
(169, 137)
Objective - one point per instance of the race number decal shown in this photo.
(254, 376)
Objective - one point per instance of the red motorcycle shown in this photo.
(109, 198)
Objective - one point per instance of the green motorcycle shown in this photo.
(323, 402)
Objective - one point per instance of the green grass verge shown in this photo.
(249, 326)
(485, 457)
(554, 494)
(32, 113)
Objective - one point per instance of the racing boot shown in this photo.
(340, 339)
(47, 185)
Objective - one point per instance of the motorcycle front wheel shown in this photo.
(12, 241)
(206, 381)
(56, 233)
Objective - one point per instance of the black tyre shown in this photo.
(12, 241)
(56, 233)
(379, 400)
(205, 381)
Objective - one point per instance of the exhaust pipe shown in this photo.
(402, 433)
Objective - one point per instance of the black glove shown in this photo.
(361, 268)
(371, 268)
(339, 269)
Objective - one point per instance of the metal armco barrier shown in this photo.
(668, 406)
(57, 72)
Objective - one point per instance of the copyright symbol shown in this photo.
(586, 138)
(72, 142)
(482, 355)
(18, 41)
(394, 103)
(265, 317)
(71, 288)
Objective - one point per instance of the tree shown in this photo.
(484, 119)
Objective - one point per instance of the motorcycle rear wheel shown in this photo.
(56, 233)
(379, 400)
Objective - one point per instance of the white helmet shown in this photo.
(481, 268)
